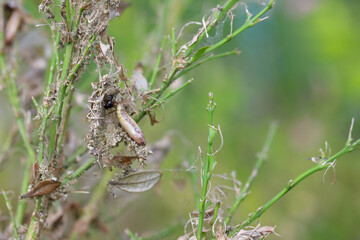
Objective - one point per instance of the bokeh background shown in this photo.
(300, 67)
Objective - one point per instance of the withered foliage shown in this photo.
(42, 188)
(105, 131)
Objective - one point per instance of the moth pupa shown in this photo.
(129, 125)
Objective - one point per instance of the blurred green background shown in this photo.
(300, 67)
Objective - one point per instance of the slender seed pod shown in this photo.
(129, 125)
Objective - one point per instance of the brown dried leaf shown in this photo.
(152, 118)
(137, 182)
(208, 213)
(120, 161)
(256, 233)
(12, 22)
(42, 188)
(124, 160)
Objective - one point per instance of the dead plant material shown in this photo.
(137, 182)
(42, 188)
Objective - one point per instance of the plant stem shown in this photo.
(33, 228)
(77, 173)
(156, 67)
(13, 96)
(45, 113)
(164, 233)
(213, 23)
(207, 167)
(172, 93)
(176, 72)
(80, 151)
(216, 210)
(261, 157)
(250, 22)
(292, 183)
(163, 87)
(60, 98)
(9, 207)
(193, 65)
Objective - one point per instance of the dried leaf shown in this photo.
(119, 161)
(124, 160)
(104, 48)
(256, 233)
(137, 182)
(209, 213)
(42, 188)
(12, 22)
(152, 118)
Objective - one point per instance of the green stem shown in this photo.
(63, 83)
(216, 210)
(206, 170)
(77, 173)
(60, 99)
(195, 64)
(292, 183)
(13, 96)
(80, 151)
(156, 67)
(163, 87)
(166, 232)
(9, 207)
(176, 72)
(45, 113)
(213, 23)
(33, 229)
(172, 93)
(74, 70)
(248, 24)
(261, 157)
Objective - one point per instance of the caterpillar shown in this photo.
(129, 125)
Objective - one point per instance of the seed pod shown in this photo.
(42, 188)
(129, 125)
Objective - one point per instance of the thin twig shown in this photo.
(292, 183)
(207, 168)
(260, 160)
(11, 213)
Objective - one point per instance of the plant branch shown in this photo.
(78, 172)
(250, 22)
(156, 67)
(215, 19)
(260, 160)
(9, 207)
(13, 96)
(45, 112)
(195, 64)
(207, 167)
(325, 163)
(172, 93)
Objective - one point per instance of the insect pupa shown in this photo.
(129, 125)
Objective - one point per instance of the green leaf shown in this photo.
(199, 53)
